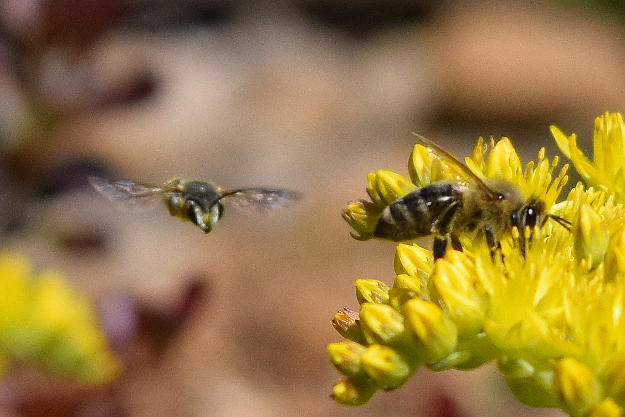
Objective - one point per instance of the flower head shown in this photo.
(546, 305)
(45, 321)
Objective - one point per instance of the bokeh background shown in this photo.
(307, 95)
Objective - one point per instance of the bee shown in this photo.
(479, 209)
(198, 202)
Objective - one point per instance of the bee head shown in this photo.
(204, 218)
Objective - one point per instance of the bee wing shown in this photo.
(465, 174)
(128, 194)
(261, 199)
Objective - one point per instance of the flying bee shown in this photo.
(472, 207)
(199, 202)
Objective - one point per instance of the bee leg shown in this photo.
(524, 242)
(440, 247)
(442, 228)
(490, 239)
(442, 225)
(455, 243)
(493, 245)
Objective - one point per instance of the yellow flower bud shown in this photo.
(436, 333)
(405, 287)
(346, 357)
(503, 160)
(413, 260)
(614, 376)
(409, 283)
(615, 255)
(576, 385)
(607, 167)
(385, 366)
(350, 392)
(362, 217)
(605, 408)
(419, 166)
(590, 236)
(371, 291)
(381, 323)
(385, 187)
(346, 322)
(453, 283)
(609, 143)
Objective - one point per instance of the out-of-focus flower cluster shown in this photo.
(44, 321)
(50, 68)
(549, 314)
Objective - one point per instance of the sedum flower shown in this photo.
(607, 169)
(547, 306)
(44, 320)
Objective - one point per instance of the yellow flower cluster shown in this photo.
(43, 320)
(551, 314)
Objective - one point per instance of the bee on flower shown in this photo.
(450, 201)
(547, 310)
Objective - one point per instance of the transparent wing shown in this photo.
(261, 199)
(128, 194)
(463, 173)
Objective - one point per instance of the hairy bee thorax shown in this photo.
(500, 215)
(196, 201)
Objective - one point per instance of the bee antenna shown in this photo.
(221, 197)
(561, 221)
(226, 194)
(493, 194)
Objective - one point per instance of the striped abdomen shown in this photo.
(421, 213)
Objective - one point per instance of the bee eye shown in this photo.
(529, 215)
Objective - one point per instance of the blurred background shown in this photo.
(306, 95)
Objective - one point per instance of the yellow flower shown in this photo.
(43, 320)
(607, 169)
(577, 385)
(383, 188)
(432, 328)
(547, 305)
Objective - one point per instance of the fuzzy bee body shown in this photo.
(418, 214)
(198, 202)
(470, 207)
